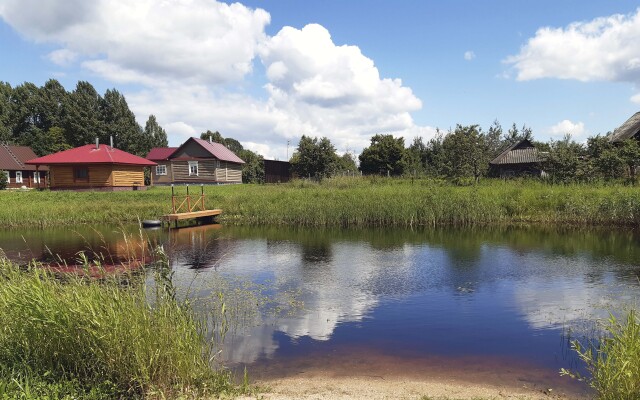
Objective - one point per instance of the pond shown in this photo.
(492, 303)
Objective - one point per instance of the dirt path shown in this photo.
(382, 376)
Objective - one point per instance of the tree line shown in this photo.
(50, 119)
(464, 153)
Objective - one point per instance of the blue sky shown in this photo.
(266, 72)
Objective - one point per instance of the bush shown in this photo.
(614, 362)
(3, 180)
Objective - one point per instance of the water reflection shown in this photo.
(512, 292)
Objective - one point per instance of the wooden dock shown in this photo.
(188, 207)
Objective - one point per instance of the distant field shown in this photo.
(344, 202)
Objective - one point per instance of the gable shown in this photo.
(191, 149)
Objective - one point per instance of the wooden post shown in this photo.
(202, 196)
(188, 200)
(173, 200)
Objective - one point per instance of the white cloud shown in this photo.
(635, 98)
(469, 55)
(192, 59)
(576, 130)
(602, 49)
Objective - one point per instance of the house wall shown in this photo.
(209, 171)
(191, 150)
(162, 179)
(27, 180)
(515, 170)
(103, 175)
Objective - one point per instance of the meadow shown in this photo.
(344, 202)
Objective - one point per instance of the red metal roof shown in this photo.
(89, 154)
(219, 151)
(13, 158)
(160, 153)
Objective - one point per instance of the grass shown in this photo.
(341, 202)
(73, 336)
(613, 361)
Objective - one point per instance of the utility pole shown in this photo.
(287, 150)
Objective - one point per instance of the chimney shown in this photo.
(97, 143)
(210, 140)
(111, 141)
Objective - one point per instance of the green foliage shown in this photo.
(384, 156)
(78, 334)
(465, 153)
(154, 135)
(566, 161)
(614, 361)
(83, 115)
(314, 158)
(3, 180)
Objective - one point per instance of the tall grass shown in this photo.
(614, 361)
(100, 338)
(347, 201)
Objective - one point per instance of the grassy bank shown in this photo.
(78, 337)
(346, 202)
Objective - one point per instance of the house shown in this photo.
(519, 159)
(277, 171)
(13, 162)
(630, 129)
(196, 161)
(94, 167)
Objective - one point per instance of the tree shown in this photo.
(314, 158)
(493, 139)
(253, 168)
(83, 120)
(6, 130)
(630, 154)
(384, 156)
(565, 162)
(465, 153)
(120, 123)
(213, 136)
(3, 180)
(153, 134)
(346, 164)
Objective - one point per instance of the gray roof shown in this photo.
(629, 129)
(522, 152)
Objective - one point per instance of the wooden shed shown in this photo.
(94, 167)
(277, 171)
(196, 161)
(520, 159)
(13, 161)
(630, 129)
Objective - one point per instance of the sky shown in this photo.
(266, 72)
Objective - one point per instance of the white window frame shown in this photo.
(193, 164)
(18, 176)
(161, 169)
(36, 177)
(8, 176)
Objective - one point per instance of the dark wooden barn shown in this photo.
(520, 159)
(277, 171)
(630, 129)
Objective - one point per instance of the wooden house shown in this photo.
(94, 167)
(519, 159)
(277, 171)
(13, 161)
(196, 161)
(630, 129)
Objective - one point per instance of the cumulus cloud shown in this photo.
(188, 62)
(601, 49)
(576, 130)
(469, 55)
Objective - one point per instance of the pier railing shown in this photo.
(187, 203)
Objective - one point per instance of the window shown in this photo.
(81, 174)
(36, 177)
(193, 168)
(18, 176)
(8, 176)
(161, 169)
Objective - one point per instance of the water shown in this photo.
(485, 297)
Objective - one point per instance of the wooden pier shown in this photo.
(188, 207)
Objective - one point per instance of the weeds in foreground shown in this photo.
(81, 337)
(614, 361)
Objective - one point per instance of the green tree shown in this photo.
(213, 136)
(154, 135)
(416, 157)
(315, 158)
(120, 122)
(630, 154)
(346, 164)
(52, 96)
(566, 161)
(384, 156)
(3, 180)
(253, 168)
(83, 119)
(465, 153)
(6, 128)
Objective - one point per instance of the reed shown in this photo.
(613, 361)
(347, 201)
(78, 336)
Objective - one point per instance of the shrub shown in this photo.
(3, 180)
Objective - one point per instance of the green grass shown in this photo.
(73, 336)
(341, 202)
(614, 361)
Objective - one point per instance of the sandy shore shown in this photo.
(383, 376)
